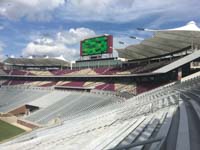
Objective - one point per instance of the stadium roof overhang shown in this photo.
(36, 62)
(163, 42)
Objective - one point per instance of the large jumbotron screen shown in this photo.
(96, 46)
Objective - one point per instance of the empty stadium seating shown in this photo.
(12, 97)
(147, 118)
(66, 104)
(134, 68)
(117, 87)
(17, 72)
(61, 72)
(148, 98)
(74, 84)
(106, 86)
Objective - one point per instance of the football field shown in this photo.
(8, 131)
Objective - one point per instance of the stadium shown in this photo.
(147, 98)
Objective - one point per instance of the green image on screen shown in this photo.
(95, 46)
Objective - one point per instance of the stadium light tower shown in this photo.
(145, 29)
(141, 29)
(121, 42)
(136, 38)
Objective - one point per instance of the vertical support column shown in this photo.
(179, 74)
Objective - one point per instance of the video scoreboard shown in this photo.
(96, 46)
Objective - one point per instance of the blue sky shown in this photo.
(55, 27)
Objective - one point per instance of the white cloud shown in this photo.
(64, 43)
(32, 9)
(101, 10)
(74, 36)
(128, 10)
(50, 49)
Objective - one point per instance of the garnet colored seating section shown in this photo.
(74, 84)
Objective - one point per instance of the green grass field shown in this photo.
(7, 131)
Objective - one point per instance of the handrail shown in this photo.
(138, 144)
